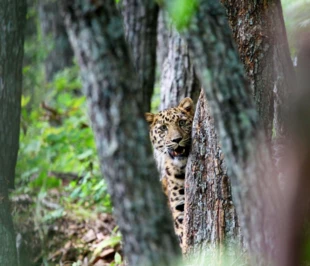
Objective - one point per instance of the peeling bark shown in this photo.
(140, 19)
(115, 104)
(12, 23)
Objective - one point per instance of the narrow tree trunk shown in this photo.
(259, 31)
(54, 33)
(162, 38)
(116, 109)
(178, 77)
(210, 217)
(12, 22)
(239, 129)
(140, 19)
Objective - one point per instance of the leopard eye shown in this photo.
(163, 128)
(182, 123)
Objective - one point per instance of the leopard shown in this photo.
(170, 135)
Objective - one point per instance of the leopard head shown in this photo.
(170, 130)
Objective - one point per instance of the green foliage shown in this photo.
(56, 141)
(181, 11)
(113, 241)
(155, 103)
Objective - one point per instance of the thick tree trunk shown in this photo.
(116, 109)
(210, 217)
(239, 129)
(12, 23)
(54, 33)
(259, 31)
(178, 77)
(140, 19)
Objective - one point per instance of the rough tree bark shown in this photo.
(54, 33)
(259, 31)
(116, 110)
(12, 23)
(210, 217)
(239, 129)
(140, 19)
(178, 78)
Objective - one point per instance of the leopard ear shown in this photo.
(187, 104)
(149, 117)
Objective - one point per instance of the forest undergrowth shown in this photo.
(62, 211)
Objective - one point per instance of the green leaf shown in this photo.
(110, 242)
(117, 258)
(25, 100)
(181, 12)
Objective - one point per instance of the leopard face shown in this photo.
(170, 134)
(170, 130)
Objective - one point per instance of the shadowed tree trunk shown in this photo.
(115, 103)
(12, 23)
(140, 19)
(239, 129)
(56, 38)
(259, 31)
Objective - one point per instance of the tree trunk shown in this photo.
(12, 23)
(178, 77)
(259, 31)
(239, 129)
(210, 217)
(116, 110)
(54, 33)
(162, 38)
(140, 19)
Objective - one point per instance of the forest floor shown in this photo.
(50, 232)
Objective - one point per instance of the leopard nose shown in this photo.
(177, 140)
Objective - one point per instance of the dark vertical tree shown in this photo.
(239, 129)
(259, 31)
(55, 37)
(140, 20)
(12, 23)
(116, 110)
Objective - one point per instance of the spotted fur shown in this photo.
(170, 133)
